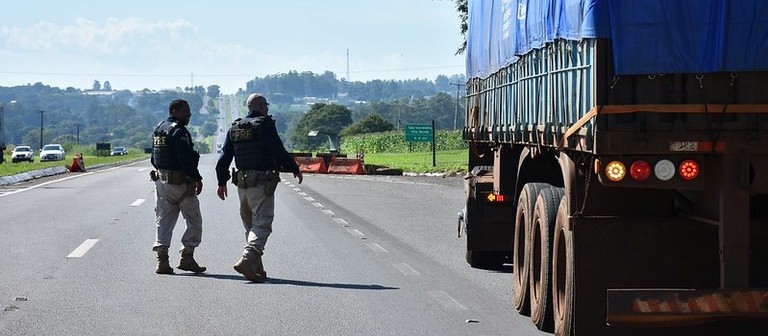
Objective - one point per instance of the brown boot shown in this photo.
(188, 263)
(163, 267)
(251, 267)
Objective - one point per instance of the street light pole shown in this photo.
(41, 128)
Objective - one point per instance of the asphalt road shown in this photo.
(349, 255)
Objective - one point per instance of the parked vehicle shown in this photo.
(22, 153)
(52, 152)
(118, 151)
(619, 160)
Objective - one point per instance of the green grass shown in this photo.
(8, 168)
(449, 161)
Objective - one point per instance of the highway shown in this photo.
(349, 255)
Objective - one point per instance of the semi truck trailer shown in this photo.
(618, 159)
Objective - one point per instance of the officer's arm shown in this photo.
(185, 154)
(225, 160)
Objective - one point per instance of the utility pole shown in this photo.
(41, 128)
(456, 114)
(78, 133)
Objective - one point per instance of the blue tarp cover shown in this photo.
(647, 36)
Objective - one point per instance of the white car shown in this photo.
(22, 153)
(52, 152)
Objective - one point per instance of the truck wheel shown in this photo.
(563, 273)
(540, 278)
(485, 260)
(521, 249)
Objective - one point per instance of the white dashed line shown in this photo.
(138, 202)
(296, 189)
(446, 300)
(309, 199)
(376, 247)
(303, 194)
(340, 220)
(328, 212)
(355, 232)
(406, 269)
(83, 248)
(317, 205)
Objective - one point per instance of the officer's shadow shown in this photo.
(278, 281)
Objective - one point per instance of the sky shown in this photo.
(164, 44)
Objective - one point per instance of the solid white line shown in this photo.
(46, 183)
(376, 247)
(446, 300)
(138, 202)
(406, 269)
(83, 248)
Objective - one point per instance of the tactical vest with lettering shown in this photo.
(164, 153)
(251, 152)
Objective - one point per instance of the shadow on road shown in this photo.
(278, 281)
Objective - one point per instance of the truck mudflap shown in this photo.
(673, 307)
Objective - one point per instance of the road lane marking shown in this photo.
(446, 300)
(296, 189)
(83, 248)
(355, 232)
(46, 183)
(303, 194)
(317, 205)
(376, 247)
(340, 221)
(138, 202)
(329, 212)
(406, 269)
(310, 199)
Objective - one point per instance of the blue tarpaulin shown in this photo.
(647, 36)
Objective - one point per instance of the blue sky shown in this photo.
(163, 44)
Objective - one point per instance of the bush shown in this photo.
(394, 142)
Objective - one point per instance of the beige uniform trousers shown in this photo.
(257, 210)
(170, 199)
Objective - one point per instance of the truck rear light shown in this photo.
(494, 198)
(664, 170)
(640, 170)
(689, 170)
(615, 171)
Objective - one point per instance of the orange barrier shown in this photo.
(311, 165)
(346, 166)
(78, 164)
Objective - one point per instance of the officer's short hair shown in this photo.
(176, 104)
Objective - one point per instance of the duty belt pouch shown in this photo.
(153, 175)
(247, 180)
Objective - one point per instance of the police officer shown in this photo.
(259, 153)
(177, 184)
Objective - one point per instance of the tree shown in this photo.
(214, 91)
(374, 123)
(96, 85)
(107, 86)
(463, 9)
(326, 119)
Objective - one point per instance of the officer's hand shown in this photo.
(198, 187)
(299, 176)
(222, 192)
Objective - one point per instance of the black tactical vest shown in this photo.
(251, 150)
(164, 153)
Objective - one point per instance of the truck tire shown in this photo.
(563, 273)
(540, 278)
(522, 242)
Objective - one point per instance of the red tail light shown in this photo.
(640, 170)
(689, 170)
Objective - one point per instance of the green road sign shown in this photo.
(418, 133)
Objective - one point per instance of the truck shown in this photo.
(618, 159)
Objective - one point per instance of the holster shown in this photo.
(153, 175)
(252, 178)
(234, 176)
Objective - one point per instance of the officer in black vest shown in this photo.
(177, 184)
(259, 154)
